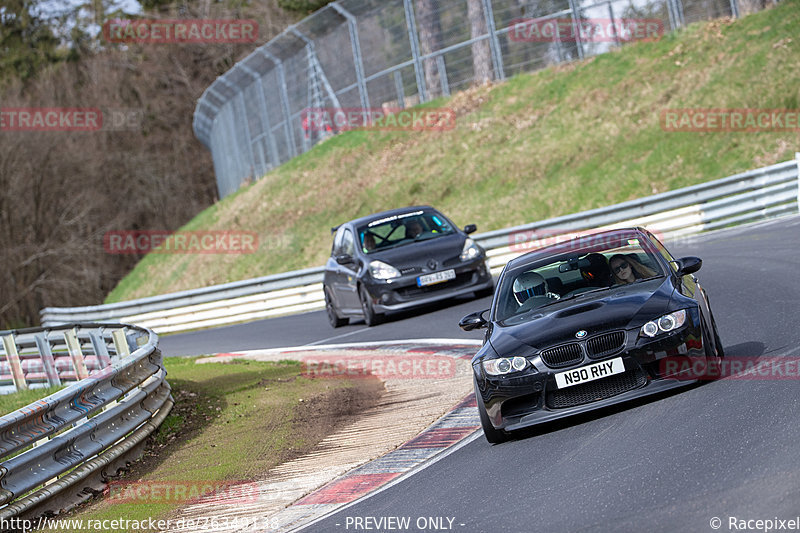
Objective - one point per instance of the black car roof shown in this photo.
(384, 214)
(566, 246)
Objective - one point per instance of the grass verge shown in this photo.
(231, 423)
(11, 402)
(561, 140)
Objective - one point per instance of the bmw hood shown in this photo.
(618, 308)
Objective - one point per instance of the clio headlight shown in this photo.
(381, 270)
(470, 251)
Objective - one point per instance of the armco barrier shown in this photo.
(51, 447)
(754, 195)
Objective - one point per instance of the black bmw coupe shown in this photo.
(587, 323)
(400, 259)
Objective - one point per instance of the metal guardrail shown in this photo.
(754, 195)
(48, 448)
(370, 54)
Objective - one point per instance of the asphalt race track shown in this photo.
(724, 449)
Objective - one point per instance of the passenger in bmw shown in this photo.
(626, 269)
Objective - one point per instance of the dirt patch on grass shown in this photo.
(315, 418)
(235, 422)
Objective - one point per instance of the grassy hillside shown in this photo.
(558, 141)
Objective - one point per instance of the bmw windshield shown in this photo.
(403, 229)
(569, 274)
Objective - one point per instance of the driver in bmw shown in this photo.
(529, 285)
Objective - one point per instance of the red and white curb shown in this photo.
(461, 422)
(454, 429)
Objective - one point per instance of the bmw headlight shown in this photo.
(504, 365)
(381, 270)
(664, 324)
(471, 250)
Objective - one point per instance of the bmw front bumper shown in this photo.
(532, 397)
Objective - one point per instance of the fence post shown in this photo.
(576, 20)
(358, 59)
(275, 157)
(735, 9)
(249, 136)
(675, 11)
(413, 38)
(272, 151)
(494, 42)
(238, 100)
(17, 376)
(284, 100)
(226, 140)
(76, 354)
(440, 66)
(398, 85)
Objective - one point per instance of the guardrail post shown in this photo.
(17, 376)
(797, 158)
(121, 343)
(100, 348)
(76, 354)
(49, 364)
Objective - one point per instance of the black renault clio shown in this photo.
(399, 259)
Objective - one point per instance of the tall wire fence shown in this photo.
(389, 54)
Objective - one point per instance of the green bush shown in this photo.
(303, 6)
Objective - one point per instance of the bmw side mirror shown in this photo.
(470, 228)
(688, 265)
(344, 259)
(473, 321)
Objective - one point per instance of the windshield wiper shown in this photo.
(648, 279)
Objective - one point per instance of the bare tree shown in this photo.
(60, 192)
(481, 53)
(430, 40)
